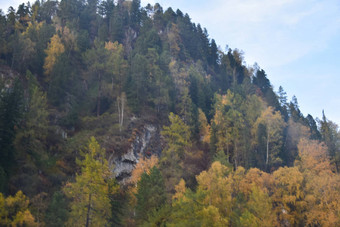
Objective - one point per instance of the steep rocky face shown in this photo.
(145, 143)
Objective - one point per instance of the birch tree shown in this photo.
(274, 124)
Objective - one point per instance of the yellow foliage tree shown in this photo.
(180, 190)
(89, 194)
(217, 187)
(204, 127)
(14, 211)
(258, 209)
(54, 49)
(190, 209)
(143, 166)
(322, 184)
(289, 195)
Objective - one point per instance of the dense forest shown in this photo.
(113, 114)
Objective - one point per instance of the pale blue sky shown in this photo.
(297, 42)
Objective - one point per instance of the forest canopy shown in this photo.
(113, 114)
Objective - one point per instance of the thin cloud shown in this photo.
(274, 33)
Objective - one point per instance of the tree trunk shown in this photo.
(88, 212)
(121, 105)
(122, 115)
(119, 112)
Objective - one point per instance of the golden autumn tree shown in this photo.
(189, 209)
(322, 184)
(289, 195)
(258, 209)
(204, 127)
(180, 190)
(89, 194)
(217, 187)
(69, 38)
(14, 211)
(143, 166)
(223, 132)
(54, 49)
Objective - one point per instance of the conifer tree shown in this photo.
(89, 194)
(177, 137)
(56, 213)
(31, 141)
(150, 193)
(329, 132)
(11, 111)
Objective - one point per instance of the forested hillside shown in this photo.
(116, 115)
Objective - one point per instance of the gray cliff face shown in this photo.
(145, 144)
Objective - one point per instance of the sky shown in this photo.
(297, 42)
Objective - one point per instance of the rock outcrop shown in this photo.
(145, 143)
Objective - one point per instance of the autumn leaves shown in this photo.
(305, 194)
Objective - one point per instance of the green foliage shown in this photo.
(329, 132)
(177, 137)
(230, 121)
(57, 213)
(177, 134)
(11, 111)
(31, 142)
(274, 124)
(138, 83)
(150, 194)
(221, 157)
(117, 202)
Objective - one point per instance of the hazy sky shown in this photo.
(297, 42)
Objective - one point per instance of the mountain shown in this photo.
(114, 114)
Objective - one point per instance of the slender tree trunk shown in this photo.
(121, 105)
(88, 212)
(119, 112)
(122, 115)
